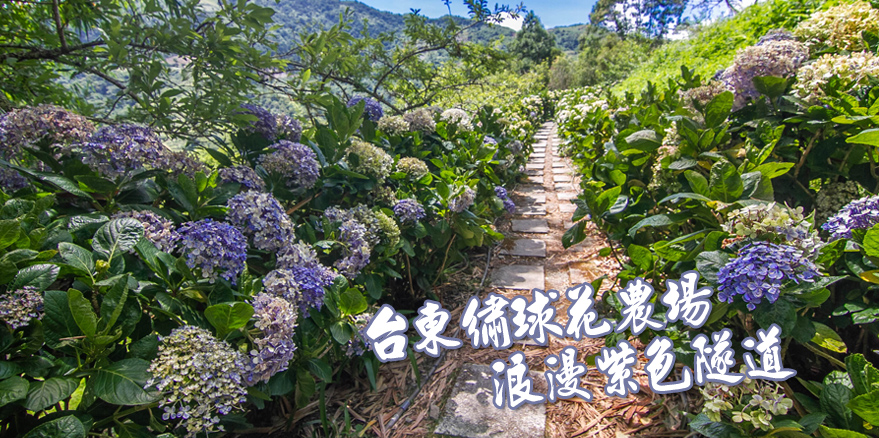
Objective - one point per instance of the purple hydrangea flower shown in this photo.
(860, 214)
(501, 193)
(19, 307)
(213, 247)
(118, 150)
(11, 181)
(243, 175)
(294, 161)
(24, 127)
(489, 140)
(261, 216)
(462, 201)
(355, 239)
(759, 271)
(310, 274)
(282, 283)
(265, 123)
(157, 229)
(409, 210)
(276, 318)
(289, 128)
(372, 109)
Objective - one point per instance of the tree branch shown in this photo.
(58, 26)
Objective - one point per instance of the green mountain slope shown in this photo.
(566, 37)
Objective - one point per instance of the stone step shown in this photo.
(538, 226)
(563, 187)
(534, 172)
(558, 164)
(531, 198)
(536, 161)
(567, 196)
(530, 188)
(531, 166)
(538, 155)
(531, 210)
(536, 179)
(470, 413)
(567, 207)
(524, 248)
(562, 178)
(518, 277)
(561, 171)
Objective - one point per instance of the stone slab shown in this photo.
(560, 171)
(518, 277)
(530, 226)
(532, 198)
(567, 196)
(562, 178)
(531, 166)
(530, 189)
(470, 413)
(563, 187)
(567, 207)
(538, 155)
(525, 248)
(536, 179)
(534, 172)
(536, 161)
(558, 164)
(539, 150)
(531, 210)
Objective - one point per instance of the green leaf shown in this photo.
(81, 309)
(641, 257)
(121, 383)
(574, 235)
(773, 170)
(827, 432)
(221, 158)
(64, 427)
(709, 262)
(117, 236)
(717, 111)
(226, 317)
(770, 86)
(658, 220)
(677, 196)
(43, 394)
(834, 400)
(725, 182)
(781, 312)
(645, 140)
(697, 182)
(867, 136)
(321, 369)
(12, 389)
(827, 338)
(96, 184)
(9, 231)
(77, 257)
(38, 276)
(114, 303)
(341, 332)
(866, 406)
(374, 285)
(58, 321)
(863, 374)
(352, 302)
(711, 429)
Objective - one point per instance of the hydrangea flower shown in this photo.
(24, 127)
(840, 26)
(180, 163)
(832, 197)
(420, 119)
(310, 274)
(384, 195)
(489, 140)
(389, 229)
(243, 175)
(457, 117)
(860, 214)
(260, 216)
(462, 201)
(413, 167)
(372, 109)
(779, 58)
(19, 307)
(501, 193)
(157, 229)
(294, 161)
(12, 181)
(394, 125)
(272, 353)
(120, 150)
(766, 399)
(775, 222)
(515, 146)
(409, 210)
(288, 128)
(216, 248)
(853, 69)
(355, 241)
(358, 344)
(199, 377)
(700, 96)
(282, 283)
(265, 123)
(760, 270)
(373, 161)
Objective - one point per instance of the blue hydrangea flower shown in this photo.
(11, 181)
(310, 275)
(265, 123)
(217, 248)
(501, 193)
(199, 377)
(19, 307)
(355, 240)
(276, 318)
(409, 210)
(372, 109)
(289, 128)
(294, 161)
(759, 271)
(118, 150)
(860, 214)
(261, 216)
(489, 140)
(243, 175)
(157, 229)
(462, 201)
(282, 283)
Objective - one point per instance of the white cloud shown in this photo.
(513, 23)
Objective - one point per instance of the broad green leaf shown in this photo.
(58, 321)
(862, 373)
(711, 429)
(781, 312)
(77, 256)
(717, 111)
(321, 369)
(866, 406)
(81, 309)
(43, 394)
(117, 236)
(827, 432)
(868, 137)
(645, 140)
(709, 262)
(641, 257)
(38, 276)
(725, 182)
(352, 302)
(697, 182)
(677, 196)
(226, 317)
(659, 220)
(64, 427)
(12, 389)
(9, 232)
(574, 235)
(827, 338)
(121, 383)
(834, 400)
(773, 170)
(770, 86)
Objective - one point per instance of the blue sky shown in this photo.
(552, 13)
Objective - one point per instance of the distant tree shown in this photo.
(605, 57)
(563, 73)
(533, 42)
(650, 18)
